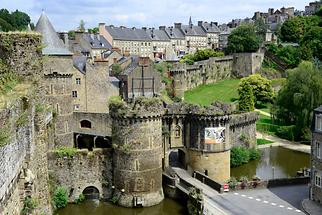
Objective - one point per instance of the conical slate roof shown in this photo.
(53, 45)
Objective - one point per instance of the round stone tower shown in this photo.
(209, 148)
(137, 157)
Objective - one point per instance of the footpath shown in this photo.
(296, 146)
(311, 207)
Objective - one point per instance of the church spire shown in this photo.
(190, 22)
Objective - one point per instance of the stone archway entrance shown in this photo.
(177, 158)
(91, 192)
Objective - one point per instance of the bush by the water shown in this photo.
(60, 197)
(240, 155)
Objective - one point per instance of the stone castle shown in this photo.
(122, 149)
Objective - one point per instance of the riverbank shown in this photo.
(296, 146)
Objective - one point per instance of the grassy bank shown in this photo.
(224, 91)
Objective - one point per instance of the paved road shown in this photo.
(273, 201)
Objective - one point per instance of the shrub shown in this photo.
(80, 199)
(65, 152)
(115, 199)
(286, 132)
(238, 156)
(60, 197)
(254, 154)
(29, 204)
(232, 182)
(22, 119)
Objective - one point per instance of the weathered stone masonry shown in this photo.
(187, 77)
(23, 159)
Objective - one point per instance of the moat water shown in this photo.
(276, 162)
(95, 207)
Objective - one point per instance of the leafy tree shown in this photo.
(261, 88)
(243, 39)
(312, 42)
(299, 96)
(81, 26)
(246, 97)
(116, 69)
(16, 20)
(293, 29)
(200, 55)
(71, 35)
(261, 28)
(93, 30)
(290, 55)
(21, 20)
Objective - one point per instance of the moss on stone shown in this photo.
(68, 152)
(4, 136)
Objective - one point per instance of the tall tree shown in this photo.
(81, 26)
(243, 39)
(261, 28)
(13, 21)
(299, 96)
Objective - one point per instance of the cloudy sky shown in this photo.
(66, 14)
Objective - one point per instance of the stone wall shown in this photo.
(83, 170)
(242, 129)
(19, 51)
(187, 77)
(58, 80)
(23, 160)
(101, 124)
(246, 64)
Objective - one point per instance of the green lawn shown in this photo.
(263, 142)
(224, 91)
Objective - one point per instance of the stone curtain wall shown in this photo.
(242, 129)
(23, 157)
(13, 154)
(82, 170)
(21, 51)
(101, 123)
(187, 77)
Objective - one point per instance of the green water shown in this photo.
(166, 207)
(276, 162)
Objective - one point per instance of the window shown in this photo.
(74, 94)
(78, 81)
(318, 122)
(86, 124)
(317, 180)
(318, 150)
(76, 107)
(177, 131)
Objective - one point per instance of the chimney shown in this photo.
(162, 28)
(177, 25)
(78, 36)
(200, 23)
(101, 28)
(270, 11)
(64, 36)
